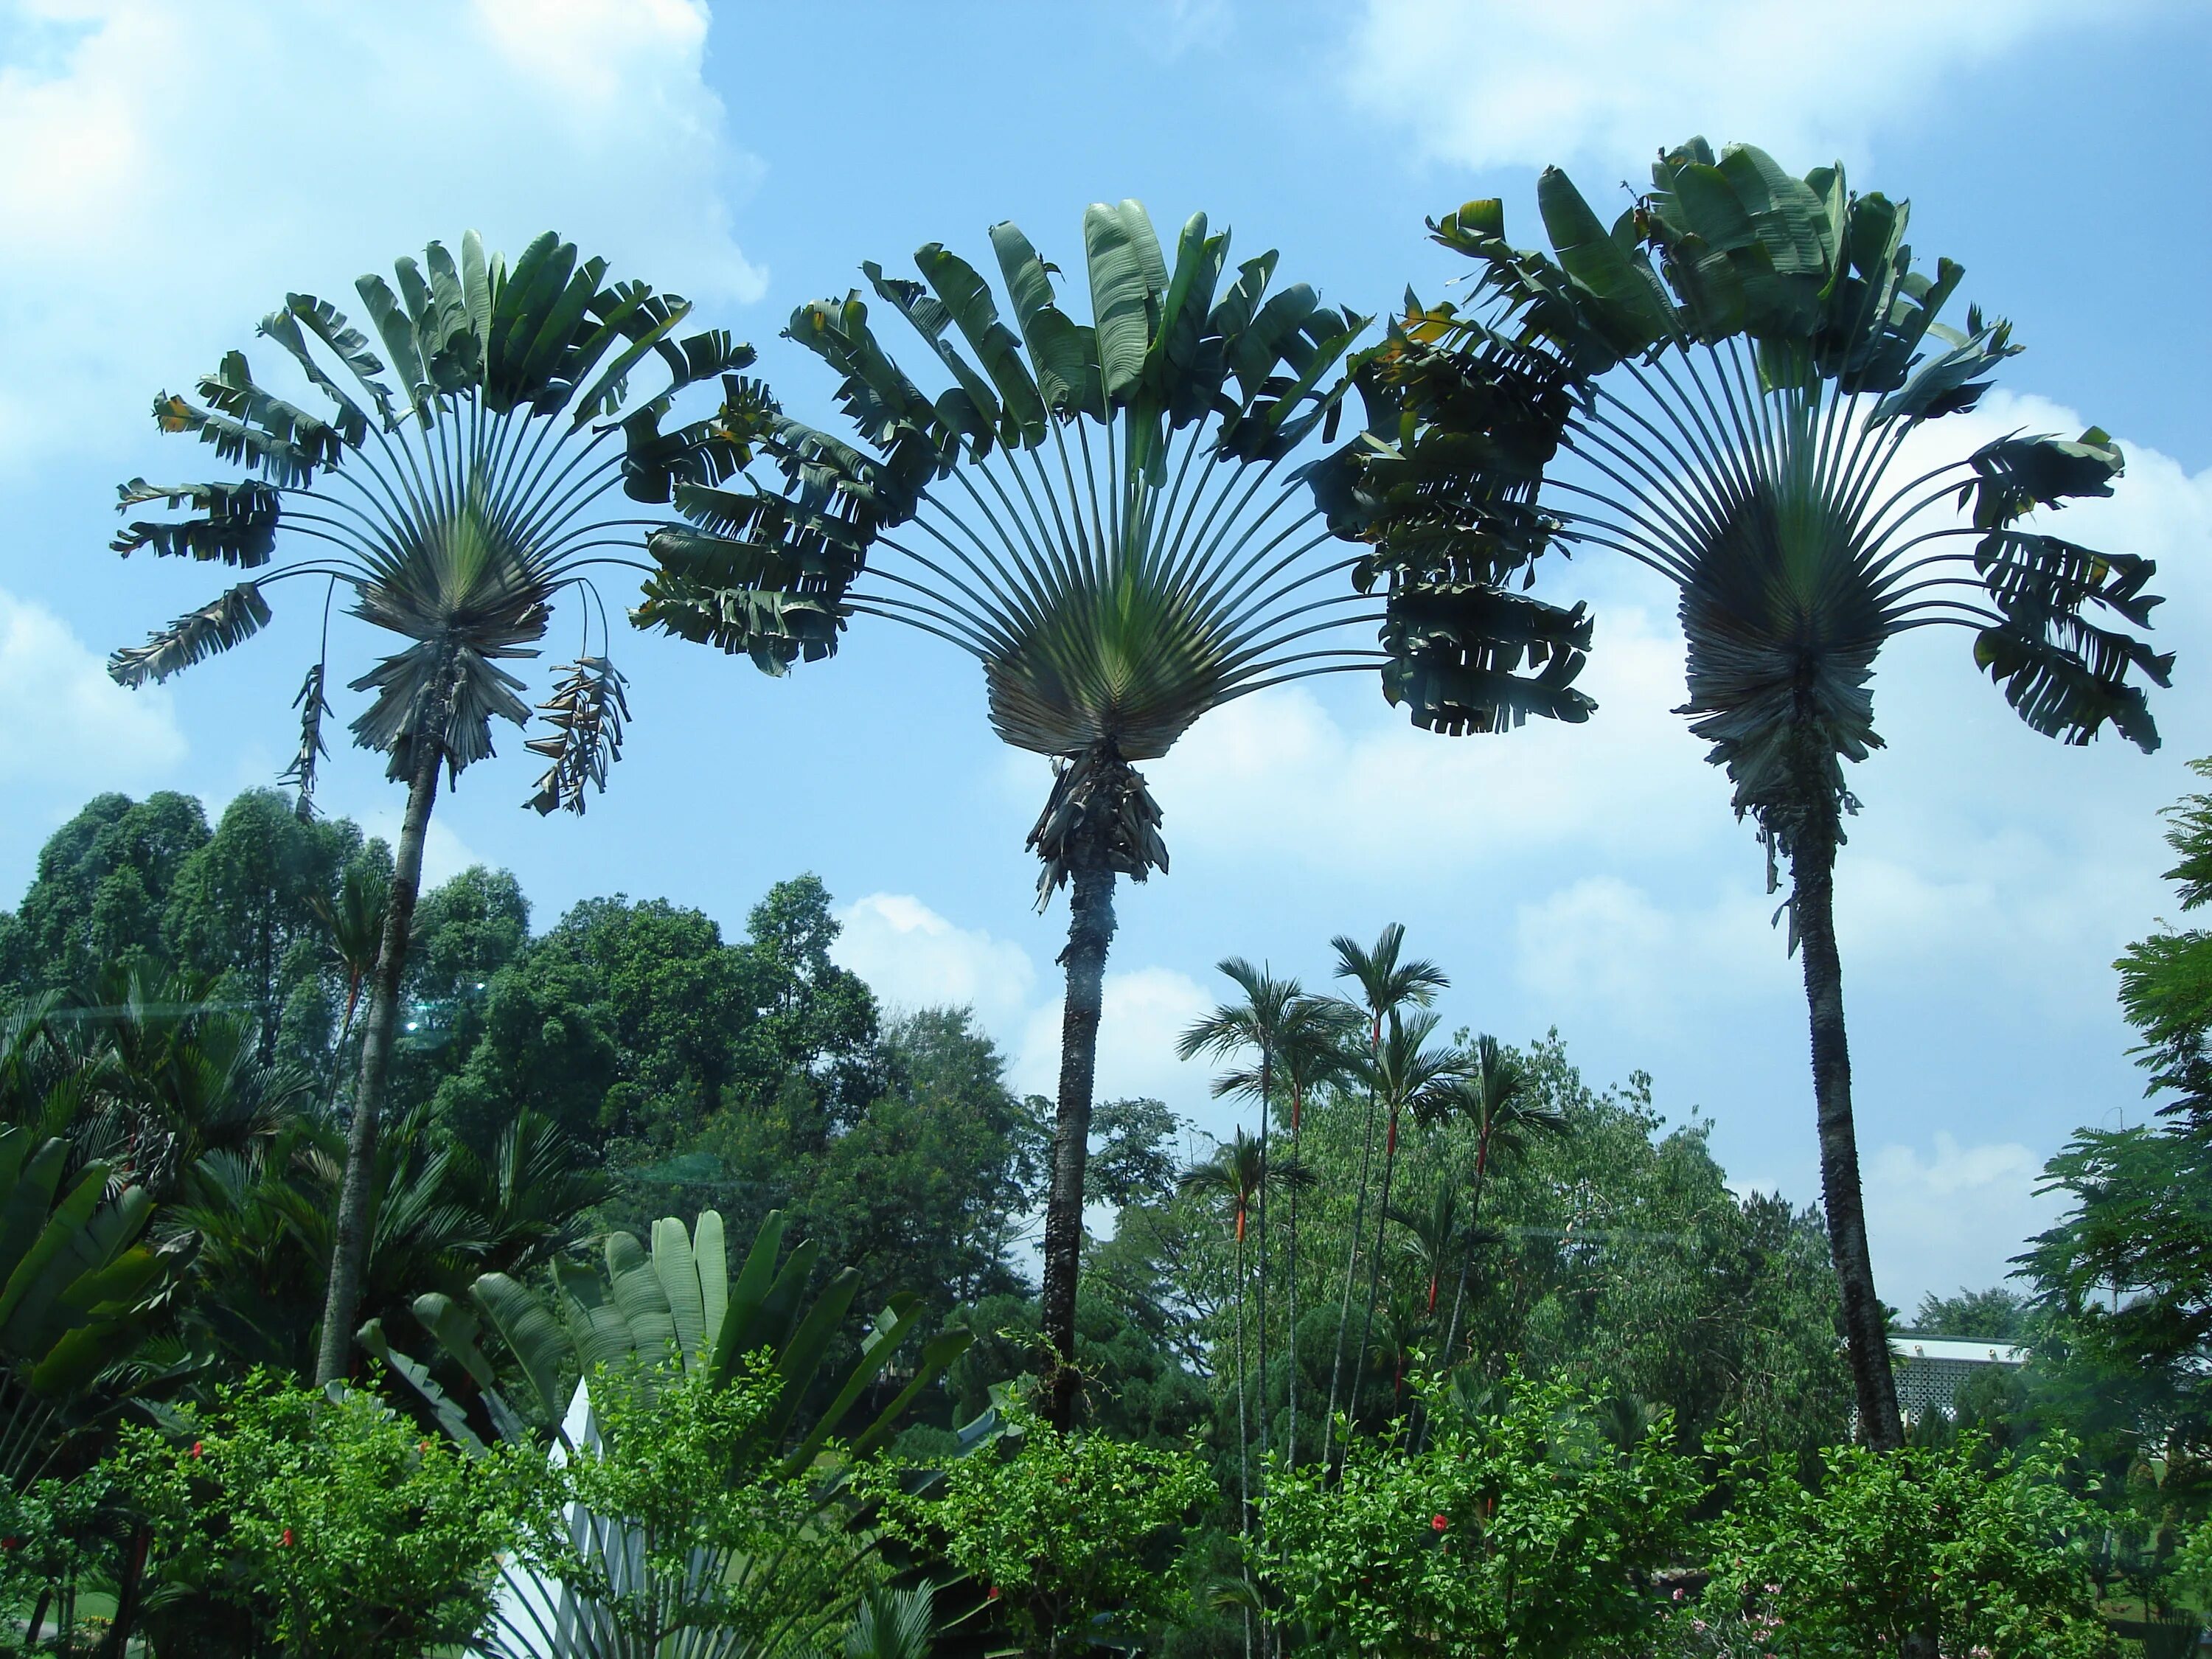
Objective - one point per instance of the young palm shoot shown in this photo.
(1721, 387)
(457, 486)
(1112, 518)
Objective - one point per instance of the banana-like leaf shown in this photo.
(236, 614)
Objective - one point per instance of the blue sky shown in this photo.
(169, 171)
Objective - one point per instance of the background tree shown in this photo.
(1718, 387)
(455, 502)
(101, 893)
(1104, 516)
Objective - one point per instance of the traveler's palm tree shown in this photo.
(1111, 518)
(1238, 1176)
(1718, 387)
(1497, 1096)
(1388, 984)
(456, 487)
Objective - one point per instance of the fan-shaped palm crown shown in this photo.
(457, 485)
(1734, 364)
(1107, 515)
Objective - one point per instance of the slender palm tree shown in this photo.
(1387, 984)
(1238, 1175)
(455, 496)
(1405, 1074)
(1497, 1096)
(1256, 1027)
(1112, 519)
(1719, 387)
(1310, 1055)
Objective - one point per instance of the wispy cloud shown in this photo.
(1608, 82)
(175, 168)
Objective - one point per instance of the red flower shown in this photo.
(196, 1449)
(1437, 1523)
(285, 1542)
(11, 1543)
(992, 1594)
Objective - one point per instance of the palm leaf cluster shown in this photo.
(456, 482)
(1718, 386)
(1109, 517)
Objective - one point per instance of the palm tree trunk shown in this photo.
(1090, 932)
(349, 1248)
(1291, 1279)
(1813, 870)
(1466, 1261)
(1244, 1437)
(1351, 1267)
(1260, 1274)
(1375, 1267)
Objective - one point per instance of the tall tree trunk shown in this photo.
(1260, 1274)
(1350, 1269)
(1090, 932)
(1813, 872)
(1467, 1259)
(1290, 1279)
(1245, 1439)
(350, 1249)
(1375, 1267)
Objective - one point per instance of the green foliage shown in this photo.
(328, 1524)
(102, 892)
(1070, 1536)
(1883, 1549)
(686, 1462)
(1997, 1314)
(1524, 1531)
(247, 900)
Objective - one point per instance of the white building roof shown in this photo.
(1960, 1349)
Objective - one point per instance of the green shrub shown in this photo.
(328, 1523)
(1990, 1561)
(1524, 1532)
(1065, 1534)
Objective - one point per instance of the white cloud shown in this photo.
(71, 727)
(1602, 944)
(1281, 774)
(175, 168)
(913, 957)
(1608, 82)
(1950, 1217)
(1143, 1012)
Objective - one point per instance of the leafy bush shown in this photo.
(1989, 1559)
(1524, 1531)
(1064, 1533)
(683, 1467)
(329, 1523)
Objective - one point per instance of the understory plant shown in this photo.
(320, 1524)
(1522, 1530)
(1985, 1557)
(1072, 1538)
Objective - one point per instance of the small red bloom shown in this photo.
(992, 1594)
(1438, 1523)
(285, 1542)
(11, 1543)
(196, 1449)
